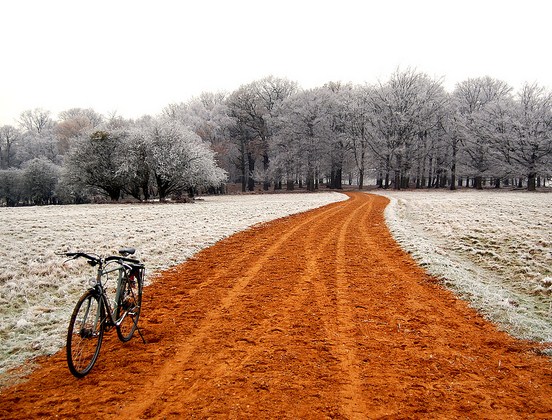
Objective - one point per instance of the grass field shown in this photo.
(38, 291)
(492, 248)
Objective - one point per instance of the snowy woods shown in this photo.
(84, 154)
(406, 132)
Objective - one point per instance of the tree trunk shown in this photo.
(397, 180)
(250, 169)
(114, 194)
(336, 176)
(243, 167)
(310, 181)
(444, 179)
(430, 172)
(398, 174)
(453, 177)
(423, 180)
(145, 186)
(405, 181)
(266, 184)
(379, 180)
(161, 189)
(453, 164)
(531, 181)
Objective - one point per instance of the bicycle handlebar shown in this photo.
(95, 259)
(89, 257)
(125, 259)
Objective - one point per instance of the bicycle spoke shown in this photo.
(128, 310)
(84, 335)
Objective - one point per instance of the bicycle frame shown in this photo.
(100, 289)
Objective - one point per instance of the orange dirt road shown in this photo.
(317, 315)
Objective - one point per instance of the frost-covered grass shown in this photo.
(38, 291)
(492, 248)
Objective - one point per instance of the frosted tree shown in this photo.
(134, 168)
(359, 127)
(339, 146)
(494, 127)
(271, 91)
(36, 120)
(36, 145)
(40, 177)
(451, 124)
(38, 138)
(407, 108)
(9, 136)
(179, 160)
(304, 122)
(523, 132)
(242, 111)
(72, 122)
(11, 186)
(473, 99)
(207, 116)
(252, 107)
(94, 161)
(284, 147)
(83, 117)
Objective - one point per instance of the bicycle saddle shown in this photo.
(127, 251)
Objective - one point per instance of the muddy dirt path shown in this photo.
(317, 315)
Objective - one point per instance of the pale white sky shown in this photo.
(135, 57)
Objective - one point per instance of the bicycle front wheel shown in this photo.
(85, 334)
(129, 305)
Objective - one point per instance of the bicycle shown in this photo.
(95, 313)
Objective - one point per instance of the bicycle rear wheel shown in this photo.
(85, 334)
(129, 305)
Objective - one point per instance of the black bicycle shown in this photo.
(97, 311)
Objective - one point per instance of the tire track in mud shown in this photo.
(314, 238)
(254, 261)
(317, 315)
(354, 406)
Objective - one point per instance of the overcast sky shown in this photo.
(135, 57)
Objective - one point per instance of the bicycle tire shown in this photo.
(129, 305)
(85, 334)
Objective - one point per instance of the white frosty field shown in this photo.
(38, 292)
(492, 248)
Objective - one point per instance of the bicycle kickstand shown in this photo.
(141, 336)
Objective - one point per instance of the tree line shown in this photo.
(84, 156)
(405, 132)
